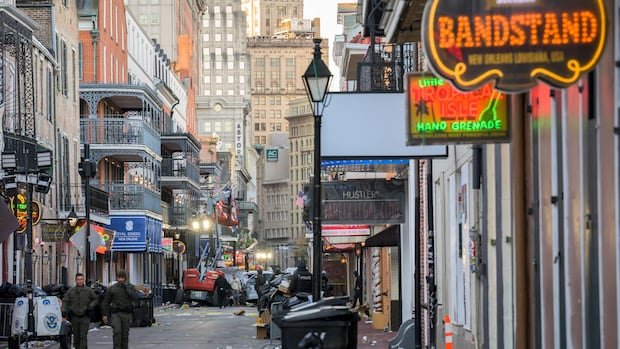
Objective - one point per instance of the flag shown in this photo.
(9, 222)
(79, 240)
(299, 201)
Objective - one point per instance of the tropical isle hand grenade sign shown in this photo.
(513, 42)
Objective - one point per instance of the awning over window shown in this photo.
(389, 236)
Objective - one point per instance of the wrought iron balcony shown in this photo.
(72, 197)
(180, 216)
(119, 131)
(132, 197)
(385, 66)
(179, 170)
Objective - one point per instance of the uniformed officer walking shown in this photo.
(77, 304)
(118, 302)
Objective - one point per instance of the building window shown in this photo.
(205, 37)
(256, 140)
(230, 65)
(218, 23)
(206, 65)
(242, 64)
(218, 37)
(256, 126)
(65, 69)
(275, 74)
(218, 92)
(218, 79)
(231, 79)
(80, 61)
(205, 51)
(260, 62)
(207, 79)
(241, 79)
(217, 126)
(229, 23)
(218, 65)
(205, 23)
(275, 62)
(229, 51)
(290, 62)
(229, 9)
(206, 127)
(50, 95)
(229, 37)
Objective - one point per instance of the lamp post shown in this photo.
(204, 223)
(316, 80)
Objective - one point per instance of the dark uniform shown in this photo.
(221, 284)
(118, 302)
(77, 303)
(302, 280)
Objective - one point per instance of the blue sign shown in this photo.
(130, 233)
(136, 234)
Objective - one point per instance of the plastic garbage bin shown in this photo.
(143, 312)
(337, 325)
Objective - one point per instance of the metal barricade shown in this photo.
(6, 315)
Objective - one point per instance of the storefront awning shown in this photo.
(389, 236)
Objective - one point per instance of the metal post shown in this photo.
(316, 205)
(88, 171)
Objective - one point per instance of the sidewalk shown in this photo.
(373, 338)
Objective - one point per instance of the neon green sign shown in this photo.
(440, 114)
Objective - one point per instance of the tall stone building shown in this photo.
(223, 108)
(264, 16)
(277, 66)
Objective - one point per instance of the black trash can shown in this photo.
(143, 312)
(336, 324)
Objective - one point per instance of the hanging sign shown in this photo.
(437, 113)
(19, 207)
(513, 42)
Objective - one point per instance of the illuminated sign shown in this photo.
(438, 113)
(513, 42)
(19, 204)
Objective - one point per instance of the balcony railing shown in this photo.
(180, 216)
(180, 168)
(132, 197)
(385, 67)
(72, 197)
(119, 131)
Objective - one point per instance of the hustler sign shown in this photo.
(514, 42)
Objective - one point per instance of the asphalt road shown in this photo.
(205, 328)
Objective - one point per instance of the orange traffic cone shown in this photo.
(447, 331)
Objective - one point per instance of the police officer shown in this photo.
(118, 301)
(302, 279)
(77, 304)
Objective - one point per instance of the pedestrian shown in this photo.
(260, 281)
(77, 304)
(325, 284)
(302, 280)
(118, 302)
(357, 294)
(221, 284)
(235, 285)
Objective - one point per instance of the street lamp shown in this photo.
(316, 79)
(72, 218)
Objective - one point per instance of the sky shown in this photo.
(326, 10)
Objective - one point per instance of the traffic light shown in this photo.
(87, 169)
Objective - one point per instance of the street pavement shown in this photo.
(208, 328)
(200, 327)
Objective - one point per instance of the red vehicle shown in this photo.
(197, 290)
